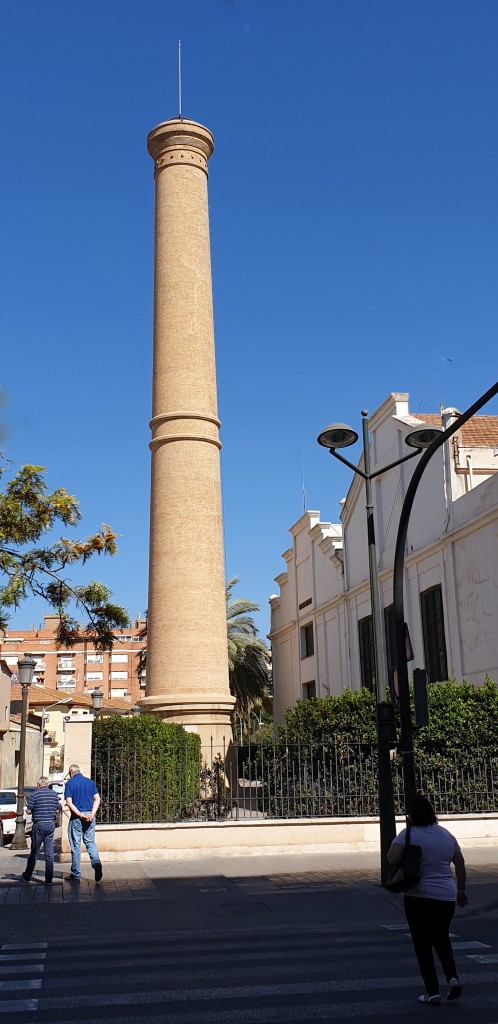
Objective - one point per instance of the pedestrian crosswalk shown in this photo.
(261, 977)
(21, 976)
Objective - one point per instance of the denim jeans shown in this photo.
(80, 830)
(42, 834)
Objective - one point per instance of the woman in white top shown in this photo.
(430, 905)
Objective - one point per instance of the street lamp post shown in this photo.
(339, 435)
(406, 739)
(26, 667)
(97, 698)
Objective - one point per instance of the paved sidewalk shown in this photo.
(336, 892)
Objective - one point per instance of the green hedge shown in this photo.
(462, 717)
(146, 769)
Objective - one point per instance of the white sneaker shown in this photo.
(431, 1000)
(454, 989)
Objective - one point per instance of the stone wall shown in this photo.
(191, 841)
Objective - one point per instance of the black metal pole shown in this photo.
(19, 837)
(387, 820)
(406, 744)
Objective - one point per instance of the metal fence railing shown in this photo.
(280, 780)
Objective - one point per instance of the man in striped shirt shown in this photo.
(43, 804)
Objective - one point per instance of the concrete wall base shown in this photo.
(193, 841)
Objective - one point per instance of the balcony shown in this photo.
(66, 665)
(65, 684)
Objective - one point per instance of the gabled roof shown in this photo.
(42, 696)
(478, 432)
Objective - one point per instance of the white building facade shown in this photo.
(321, 624)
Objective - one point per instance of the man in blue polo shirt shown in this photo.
(83, 799)
(43, 804)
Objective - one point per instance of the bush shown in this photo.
(461, 717)
(145, 769)
(322, 720)
(325, 752)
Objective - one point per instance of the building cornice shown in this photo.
(304, 523)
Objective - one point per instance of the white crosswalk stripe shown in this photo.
(278, 977)
(19, 962)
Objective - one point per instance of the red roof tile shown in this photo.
(41, 696)
(478, 432)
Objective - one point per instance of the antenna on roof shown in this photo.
(180, 79)
(302, 473)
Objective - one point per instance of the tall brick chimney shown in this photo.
(187, 665)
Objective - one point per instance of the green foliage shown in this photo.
(247, 655)
(27, 512)
(146, 769)
(461, 717)
(214, 800)
(325, 759)
(460, 781)
(258, 731)
(321, 720)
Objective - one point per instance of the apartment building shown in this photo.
(119, 673)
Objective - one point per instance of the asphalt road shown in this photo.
(268, 977)
(279, 940)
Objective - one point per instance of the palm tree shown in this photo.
(248, 666)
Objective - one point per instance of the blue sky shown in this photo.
(354, 231)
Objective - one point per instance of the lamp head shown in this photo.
(422, 437)
(135, 711)
(97, 698)
(26, 667)
(337, 435)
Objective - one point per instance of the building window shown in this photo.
(94, 659)
(367, 652)
(309, 690)
(66, 683)
(307, 641)
(65, 662)
(123, 658)
(119, 675)
(431, 608)
(94, 677)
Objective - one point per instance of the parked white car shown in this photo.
(8, 814)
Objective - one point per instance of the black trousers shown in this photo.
(429, 923)
(42, 834)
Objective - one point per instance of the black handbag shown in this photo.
(406, 874)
